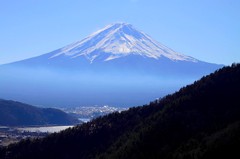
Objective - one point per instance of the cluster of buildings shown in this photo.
(91, 112)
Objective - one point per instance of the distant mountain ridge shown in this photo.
(14, 113)
(116, 62)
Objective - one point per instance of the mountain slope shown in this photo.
(191, 117)
(113, 42)
(205, 113)
(117, 65)
(117, 41)
(14, 113)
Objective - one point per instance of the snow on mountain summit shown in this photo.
(119, 40)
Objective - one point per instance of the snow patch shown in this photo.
(119, 40)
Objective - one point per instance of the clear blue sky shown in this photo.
(208, 30)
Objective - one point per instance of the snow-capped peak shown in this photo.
(119, 40)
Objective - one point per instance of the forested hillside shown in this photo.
(199, 121)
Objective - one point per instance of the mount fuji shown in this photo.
(117, 65)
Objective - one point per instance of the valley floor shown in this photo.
(9, 135)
